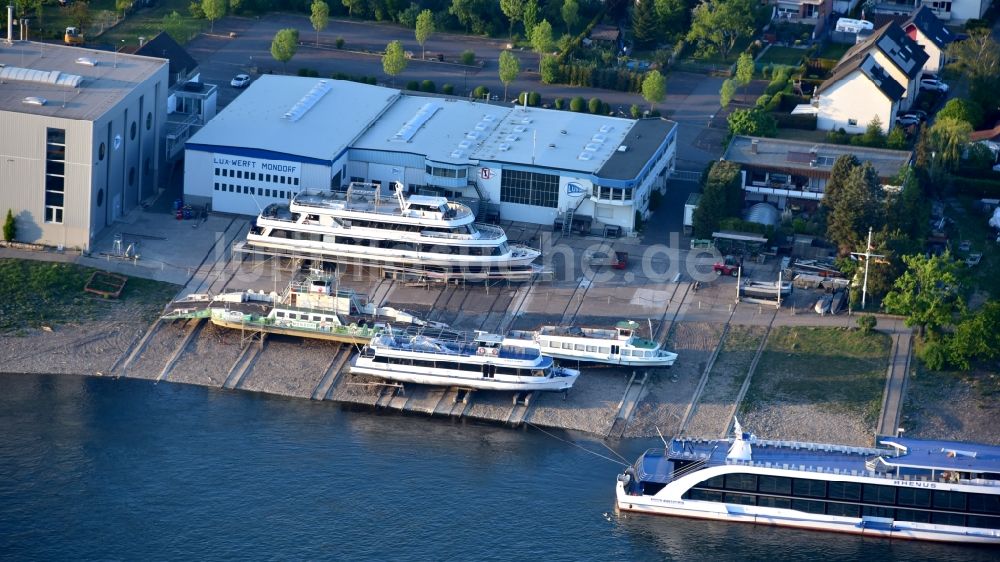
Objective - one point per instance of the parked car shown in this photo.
(907, 120)
(933, 84)
(730, 265)
(240, 81)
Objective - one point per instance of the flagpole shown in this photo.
(868, 258)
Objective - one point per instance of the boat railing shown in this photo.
(299, 325)
(489, 231)
(856, 472)
(462, 349)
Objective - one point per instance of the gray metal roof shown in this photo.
(815, 159)
(103, 83)
(944, 455)
(641, 142)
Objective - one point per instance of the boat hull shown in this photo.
(553, 384)
(646, 362)
(343, 334)
(800, 520)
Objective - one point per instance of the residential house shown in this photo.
(793, 174)
(952, 11)
(810, 12)
(190, 102)
(928, 31)
(879, 75)
(856, 93)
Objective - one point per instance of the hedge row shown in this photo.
(976, 187)
(606, 78)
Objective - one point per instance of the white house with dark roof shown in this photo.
(894, 51)
(927, 30)
(856, 93)
(285, 134)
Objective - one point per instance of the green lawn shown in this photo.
(777, 54)
(34, 293)
(741, 45)
(149, 21)
(839, 368)
(972, 225)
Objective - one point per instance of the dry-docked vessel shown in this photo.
(904, 488)
(620, 346)
(418, 235)
(484, 361)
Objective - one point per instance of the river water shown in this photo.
(129, 470)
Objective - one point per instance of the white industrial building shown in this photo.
(80, 138)
(286, 134)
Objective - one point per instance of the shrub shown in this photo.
(9, 227)
(428, 86)
(577, 104)
(448, 89)
(480, 92)
(789, 121)
(467, 58)
(594, 105)
(560, 103)
(867, 322)
(308, 73)
(534, 99)
(339, 43)
(413, 85)
(976, 187)
(635, 112)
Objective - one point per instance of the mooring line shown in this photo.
(575, 444)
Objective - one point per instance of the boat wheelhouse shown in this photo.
(618, 346)
(904, 488)
(419, 235)
(484, 361)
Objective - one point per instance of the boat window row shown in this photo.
(458, 366)
(466, 229)
(497, 250)
(304, 316)
(871, 497)
(250, 190)
(576, 347)
(255, 176)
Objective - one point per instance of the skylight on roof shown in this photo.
(307, 102)
(418, 120)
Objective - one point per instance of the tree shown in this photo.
(654, 88)
(549, 69)
(721, 198)
(978, 58)
(122, 5)
(947, 138)
(284, 45)
(352, 5)
(570, 14)
(79, 14)
(727, 92)
(977, 336)
(214, 9)
(530, 17)
(541, 37)
(857, 207)
(873, 135)
(673, 16)
(753, 122)
(645, 25)
(962, 110)
(716, 25)
(896, 139)
(514, 10)
(927, 293)
(320, 17)
(394, 60)
(509, 68)
(467, 12)
(9, 227)
(424, 29)
(744, 70)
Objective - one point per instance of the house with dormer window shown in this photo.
(927, 30)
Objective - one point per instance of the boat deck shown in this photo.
(466, 348)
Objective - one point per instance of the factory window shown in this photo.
(529, 188)
(852, 122)
(100, 197)
(296, 181)
(231, 188)
(216, 171)
(282, 178)
(100, 155)
(131, 176)
(55, 179)
(149, 120)
(217, 186)
(131, 134)
(239, 174)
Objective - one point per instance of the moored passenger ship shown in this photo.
(416, 234)
(905, 488)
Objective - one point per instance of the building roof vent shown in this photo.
(504, 147)
(86, 61)
(519, 129)
(606, 128)
(623, 148)
(307, 102)
(592, 147)
(511, 138)
(464, 144)
(49, 77)
(585, 156)
(552, 145)
(599, 138)
(457, 154)
(34, 100)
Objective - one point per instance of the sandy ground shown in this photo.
(289, 366)
(930, 410)
(714, 410)
(590, 406)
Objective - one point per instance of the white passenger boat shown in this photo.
(620, 346)
(485, 361)
(416, 234)
(903, 488)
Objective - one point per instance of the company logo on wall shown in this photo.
(485, 173)
(574, 189)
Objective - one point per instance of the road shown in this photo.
(692, 99)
